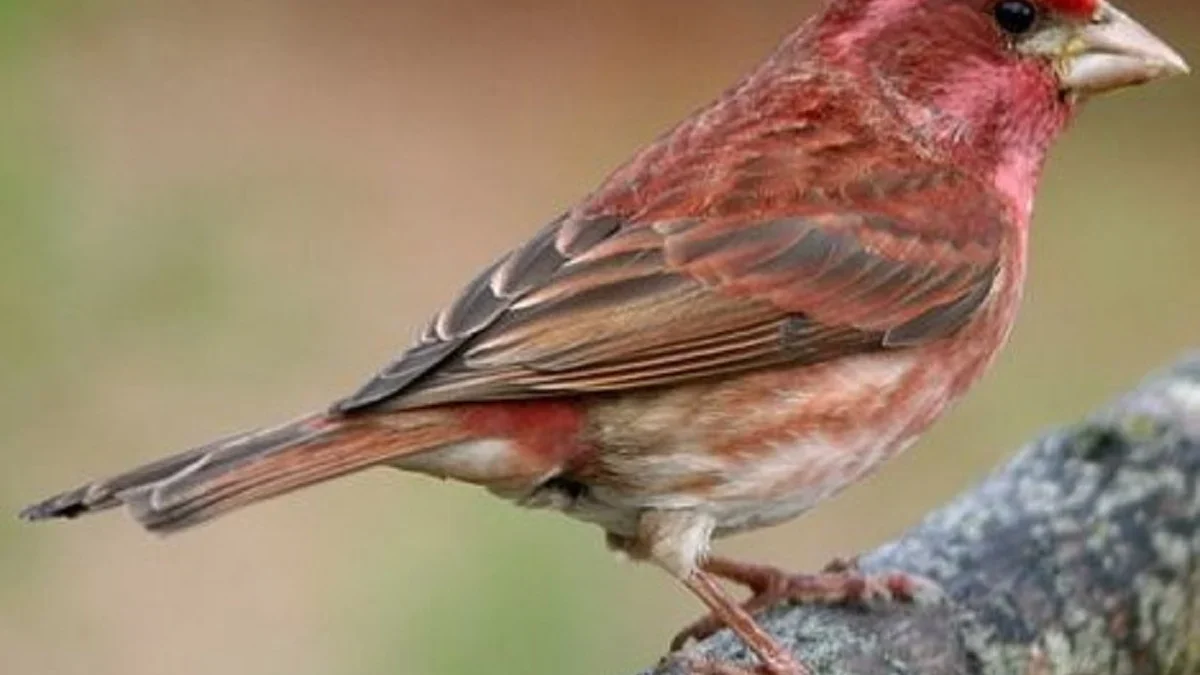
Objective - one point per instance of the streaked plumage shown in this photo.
(754, 312)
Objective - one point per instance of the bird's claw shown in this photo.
(841, 583)
(698, 630)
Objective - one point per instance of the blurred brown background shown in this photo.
(219, 214)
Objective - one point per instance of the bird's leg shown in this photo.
(765, 584)
(675, 540)
(840, 583)
(775, 660)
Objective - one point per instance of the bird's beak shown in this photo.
(1113, 51)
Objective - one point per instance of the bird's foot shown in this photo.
(840, 583)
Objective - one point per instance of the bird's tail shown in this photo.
(197, 485)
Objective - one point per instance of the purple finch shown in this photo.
(751, 314)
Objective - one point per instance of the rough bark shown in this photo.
(1078, 557)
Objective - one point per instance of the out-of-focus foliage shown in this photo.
(214, 215)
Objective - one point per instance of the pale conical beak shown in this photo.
(1114, 51)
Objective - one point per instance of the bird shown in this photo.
(755, 311)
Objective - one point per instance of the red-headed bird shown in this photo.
(754, 312)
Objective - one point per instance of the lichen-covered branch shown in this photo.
(1077, 558)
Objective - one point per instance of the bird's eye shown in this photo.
(1015, 17)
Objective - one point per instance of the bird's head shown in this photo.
(1089, 46)
(993, 81)
(1082, 47)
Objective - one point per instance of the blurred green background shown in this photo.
(218, 214)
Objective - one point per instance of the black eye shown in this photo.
(1015, 17)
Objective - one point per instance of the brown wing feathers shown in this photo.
(604, 305)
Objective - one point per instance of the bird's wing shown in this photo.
(609, 303)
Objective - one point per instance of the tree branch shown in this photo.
(1079, 557)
